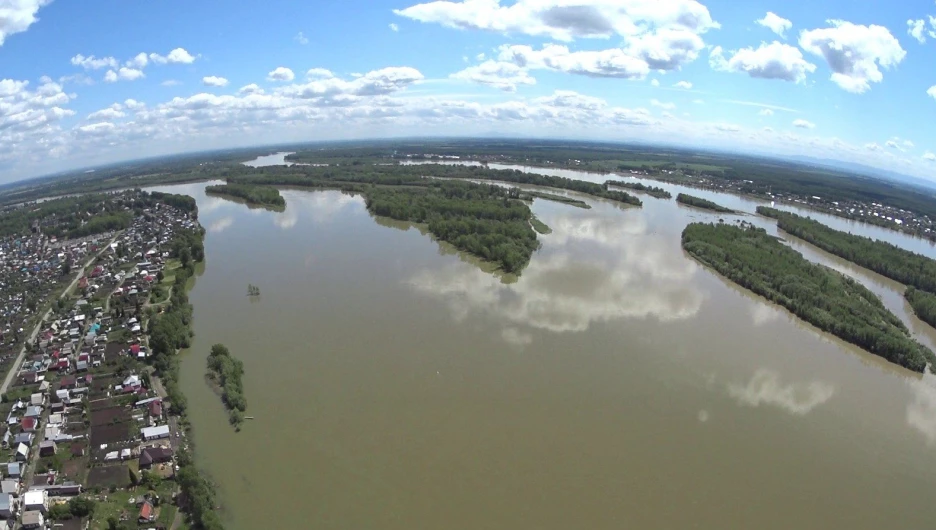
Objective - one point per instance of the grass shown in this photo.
(169, 272)
(540, 226)
(117, 503)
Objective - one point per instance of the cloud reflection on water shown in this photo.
(765, 387)
(591, 269)
(322, 206)
(921, 412)
(220, 225)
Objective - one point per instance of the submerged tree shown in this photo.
(253, 290)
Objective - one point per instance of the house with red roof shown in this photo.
(29, 424)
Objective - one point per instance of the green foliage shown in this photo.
(478, 219)
(102, 223)
(826, 299)
(81, 506)
(699, 202)
(883, 258)
(198, 495)
(923, 304)
(253, 194)
(228, 372)
(59, 512)
(539, 226)
(652, 191)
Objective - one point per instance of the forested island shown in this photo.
(253, 195)
(227, 373)
(486, 220)
(480, 219)
(916, 271)
(652, 191)
(831, 301)
(698, 202)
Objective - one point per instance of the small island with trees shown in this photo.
(253, 195)
(829, 300)
(699, 202)
(652, 191)
(914, 270)
(226, 373)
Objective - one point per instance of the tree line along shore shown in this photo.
(914, 270)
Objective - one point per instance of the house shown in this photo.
(37, 500)
(29, 424)
(37, 399)
(15, 469)
(81, 366)
(147, 513)
(23, 438)
(47, 448)
(68, 382)
(154, 455)
(33, 519)
(22, 453)
(10, 487)
(68, 489)
(7, 506)
(155, 409)
(155, 433)
(56, 418)
(33, 411)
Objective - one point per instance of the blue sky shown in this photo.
(97, 81)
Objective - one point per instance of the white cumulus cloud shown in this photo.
(663, 105)
(94, 63)
(603, 63)
(769, 61)
(176, 56)
(252, 88)
(932, 91)
(499, 74)
(775, 23)
(854, 53)
(123, 74)
(17, 15)
(803, 124)
(917, 29)
(394, 27)
(684, 85)
(113, 112)
(663, 35)
(765, 112)
(929, 156)
(281, 73)
(301, 38)
(215, 81)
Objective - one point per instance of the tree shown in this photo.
(81, 506)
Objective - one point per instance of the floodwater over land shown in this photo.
(615, 384)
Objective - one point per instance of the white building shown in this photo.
(36, 500)
(155, 433)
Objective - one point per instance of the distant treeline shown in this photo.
(891, 261)
(254, 195)
(652, 191)
(699, 202)
(825, 298)
(228, 373)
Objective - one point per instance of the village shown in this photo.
(87, 424)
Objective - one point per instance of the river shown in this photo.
(615, 384)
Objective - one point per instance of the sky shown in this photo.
(89, 82)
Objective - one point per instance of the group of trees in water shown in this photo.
(825, 298)
(480, 219)
(699, 202)
(909, 268)
(228, 372)
(252, 194)
(652, 191)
